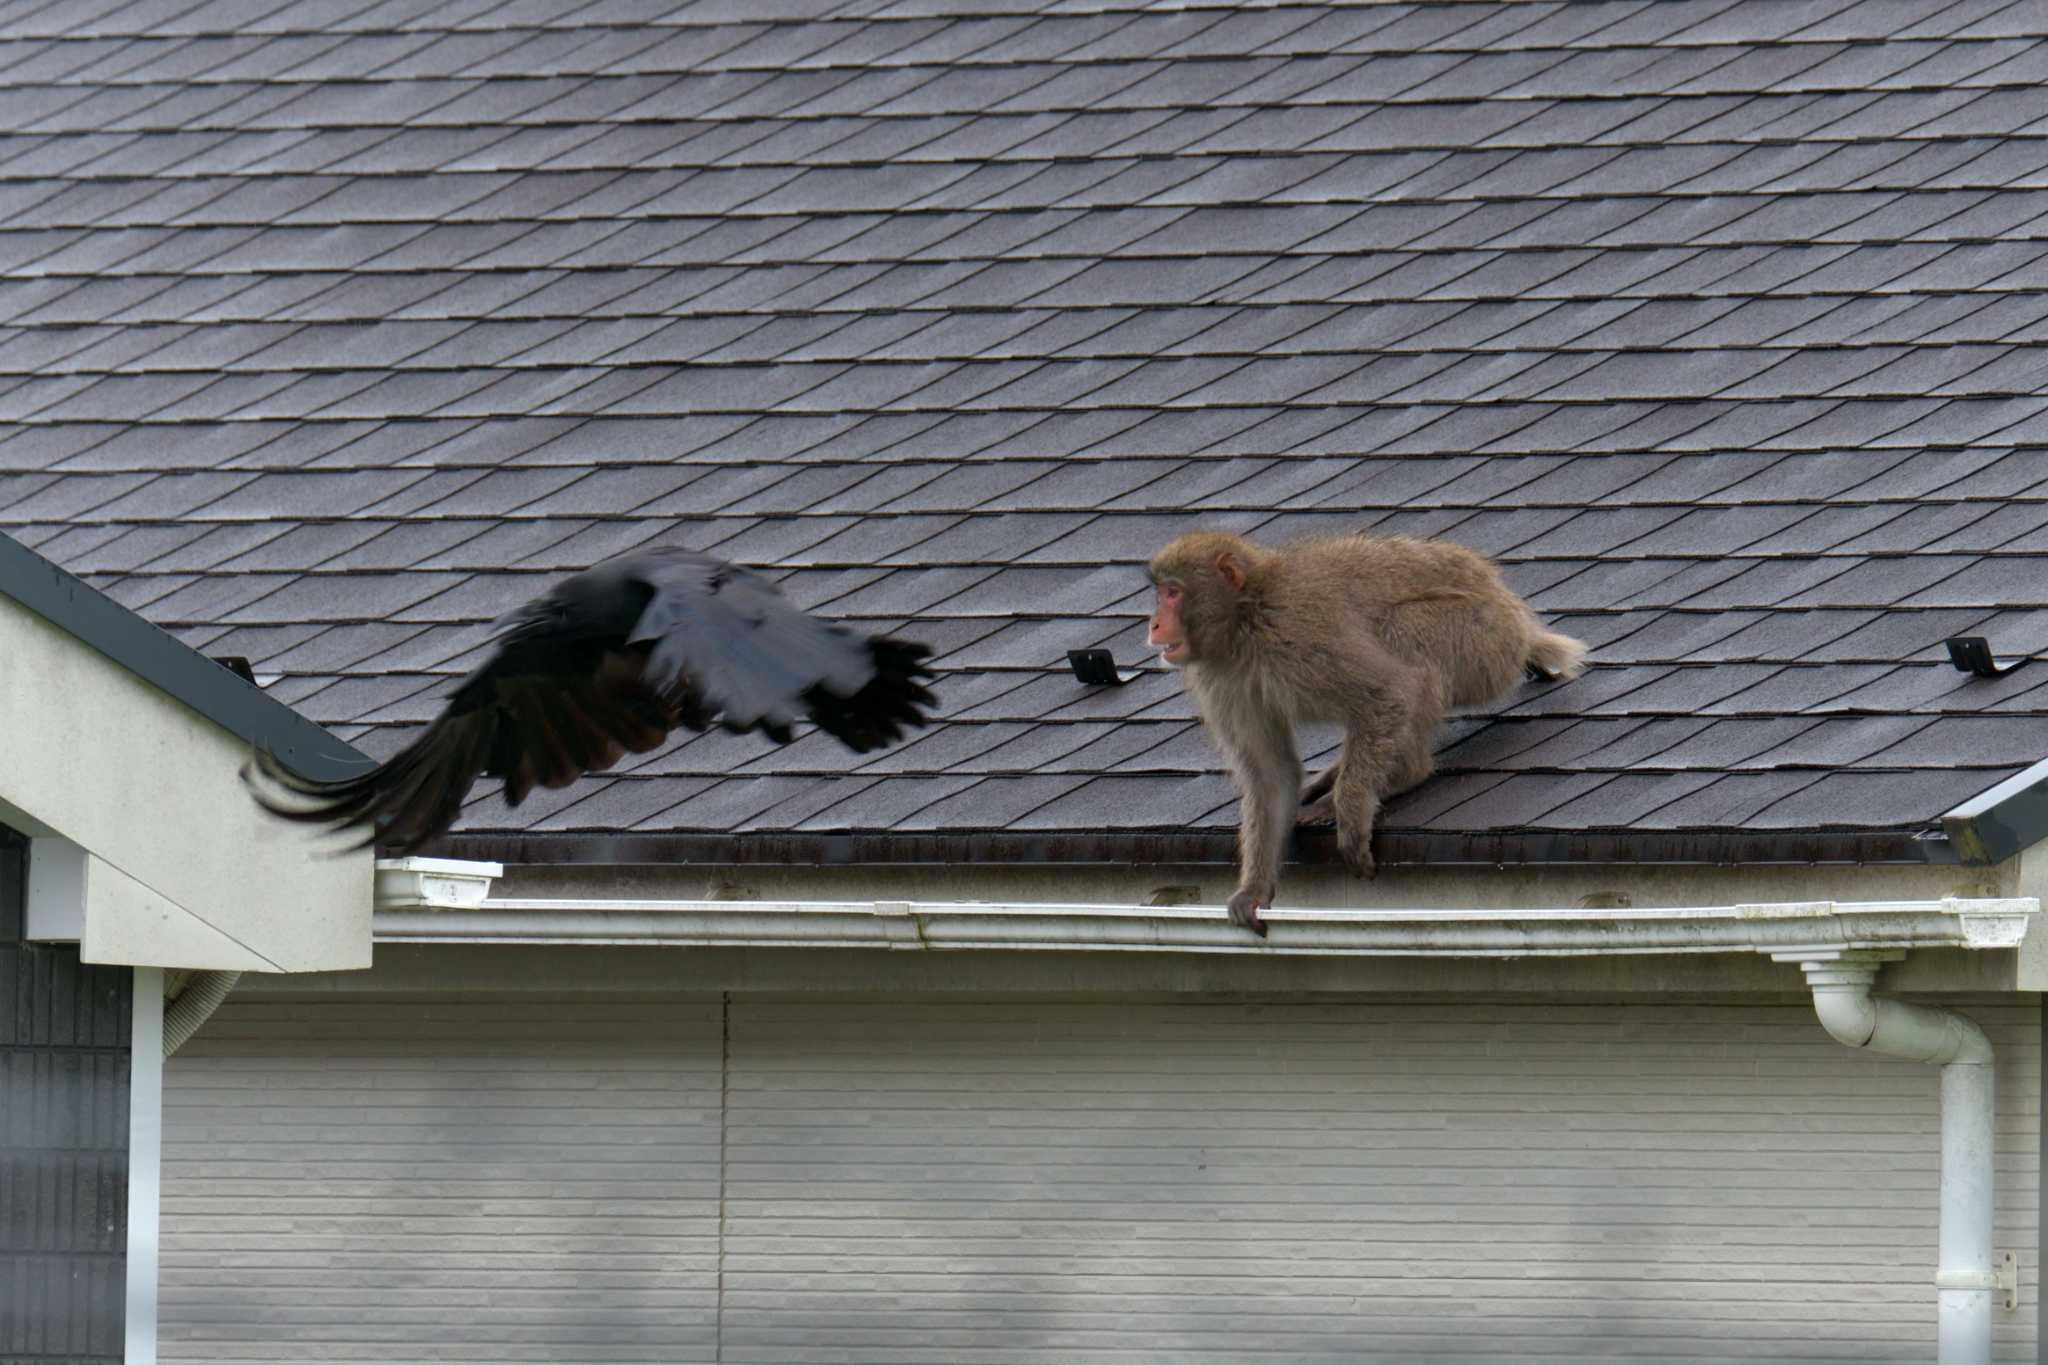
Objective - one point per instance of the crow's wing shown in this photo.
(541, 712)
(742, 652)
(607, 663)
(738, 645)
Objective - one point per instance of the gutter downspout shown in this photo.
(195, 1005)
(1965, 1278)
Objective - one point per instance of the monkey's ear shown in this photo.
(1232, 569)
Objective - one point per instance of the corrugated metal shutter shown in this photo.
(1019, 1183)
(64, 1033)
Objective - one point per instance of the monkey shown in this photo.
(1379, 634)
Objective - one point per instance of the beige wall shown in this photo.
(630, 1176)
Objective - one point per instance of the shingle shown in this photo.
(1594, 693)
(105, 549)
(1729, 802)
(766, 540)
(1167, 803)
(337, 597)
(952, 746)
(1651, 637)
(1916, 687)
(1900, 634)
(1521, 800)
(1799, 689)
(996, 802)
(1622, 802)
(1578, 584)
(1955, 580)
(736, 803)
(887, 804)
(1057, 695)
(1875, 799)
(1085, 746)
(1964, 741)
(402, 545)
(2023, 631)
(1549, 742)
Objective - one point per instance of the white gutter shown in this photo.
(943, 926)
(444, 883)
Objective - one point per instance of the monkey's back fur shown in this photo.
(1427, 601)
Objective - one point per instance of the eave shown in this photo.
(1392, 848)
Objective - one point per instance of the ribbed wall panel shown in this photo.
(1023, 1183)
(64, 1029)
(490, 1181)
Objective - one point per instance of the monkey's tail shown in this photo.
(1557, 657)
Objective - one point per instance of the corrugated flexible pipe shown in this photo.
(195, 1005)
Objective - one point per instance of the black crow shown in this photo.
(607, 663)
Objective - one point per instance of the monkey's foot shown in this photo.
(1244, 910)
(1320, 812)
(1357, 853)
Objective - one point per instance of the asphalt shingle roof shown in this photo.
(1722, 324)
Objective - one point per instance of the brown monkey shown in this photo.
(1379, 634)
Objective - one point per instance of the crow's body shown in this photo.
(609, 662)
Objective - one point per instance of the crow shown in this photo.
(609, 662)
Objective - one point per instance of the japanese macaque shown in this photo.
(1378, 634)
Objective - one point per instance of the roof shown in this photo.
(208, 686)
(324, 338)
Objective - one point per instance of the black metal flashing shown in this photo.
(1993, 825)
(212, 689)
(1392, 848)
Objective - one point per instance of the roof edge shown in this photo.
(173, 667)
(1997, 823)
(1391, 847)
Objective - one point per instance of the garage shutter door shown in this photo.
(1036, 1184)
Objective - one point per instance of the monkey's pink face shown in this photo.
(1168, 635)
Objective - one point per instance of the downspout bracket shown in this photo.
(2003, 1278)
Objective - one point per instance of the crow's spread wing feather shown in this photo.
(605, 664)
(738, 644)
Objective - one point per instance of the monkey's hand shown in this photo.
(1244, 909)
(1318, 812)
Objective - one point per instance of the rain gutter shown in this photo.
(408, 914)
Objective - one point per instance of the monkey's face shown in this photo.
(1200, 579)
(1169, 634)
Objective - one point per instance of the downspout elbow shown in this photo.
(1894, 1028)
